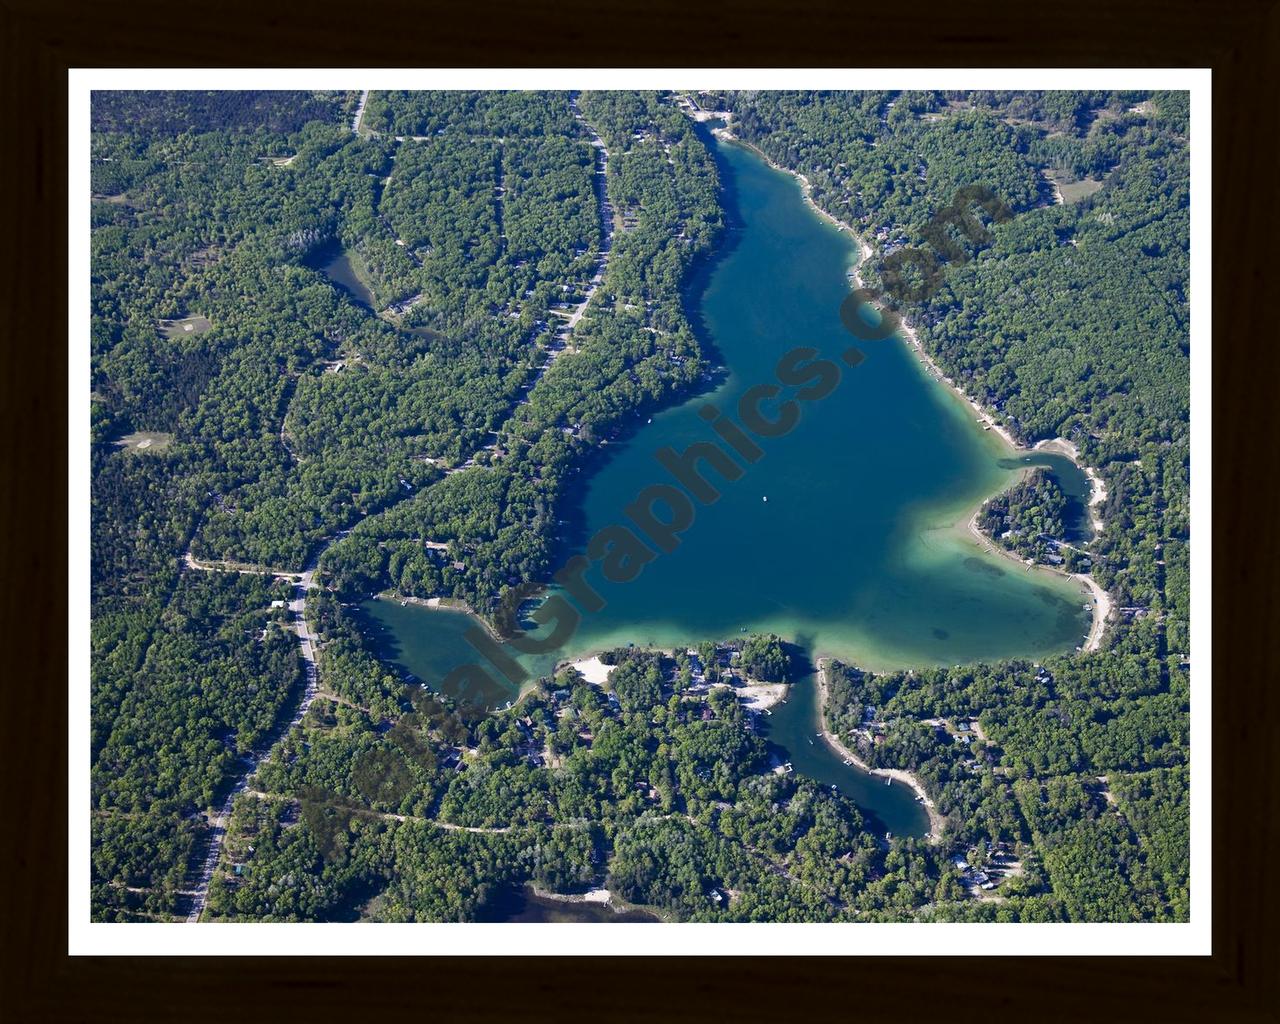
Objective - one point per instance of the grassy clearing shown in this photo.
(181, 328)
(145, 441)
(1068, 190)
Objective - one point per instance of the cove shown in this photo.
(861, 550)
(337, 265)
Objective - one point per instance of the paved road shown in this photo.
(355, 122)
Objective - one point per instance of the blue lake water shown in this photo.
(848, 536)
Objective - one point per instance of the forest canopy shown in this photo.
(381, 353)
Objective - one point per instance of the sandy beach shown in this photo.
(593, 670)
(1097, 486)
(937, 823)
(601, 897)
(447, 604)
(757, 696)
(1101, 599)
(754, 695)
(1101, 610)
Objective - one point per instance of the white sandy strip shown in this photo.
(600, 897)
(1097, 495)
(758, 696)
(1101, 610)
(937, 823)
(593, 670)
(1097, 486)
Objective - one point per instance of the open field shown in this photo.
(145, 441)
(1068, 191)
(189, 325)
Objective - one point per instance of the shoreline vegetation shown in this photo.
(763, 696)
(937, 823)
(759, 696)
(240, 773)
(601, 898)
(1102, 603)
(754, 694)
(449, 604)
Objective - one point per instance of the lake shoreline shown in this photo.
(863, 650)
(1060, 445)
(937, 823)
(753, 694)
(1102, 603)
(604, 898)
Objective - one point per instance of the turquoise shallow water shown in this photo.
(855, 551)
(847, 536)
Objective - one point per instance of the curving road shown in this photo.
(304, 580)
(253, 760)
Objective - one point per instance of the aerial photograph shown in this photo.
(678, 505)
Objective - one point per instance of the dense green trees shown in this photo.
(765, 657)
(1063, 729)
(664, 797)
(1068, 319)
(169, 729)
(426, 444)
(295, 412)
(1072, 320)
(495, 113)
(1028, 518)
(153, 114)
